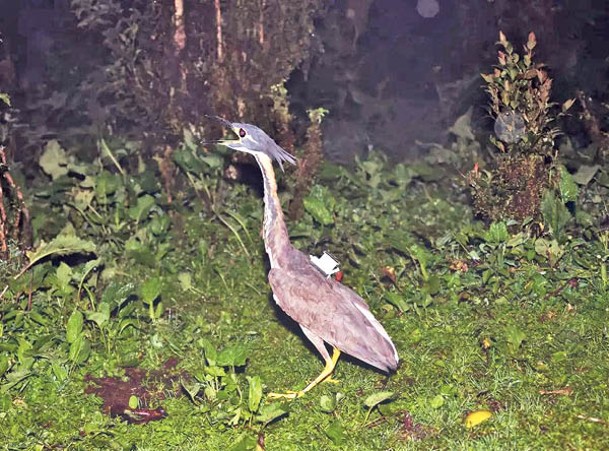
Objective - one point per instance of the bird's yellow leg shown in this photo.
(335, 356)
(327, 371)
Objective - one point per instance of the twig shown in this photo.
(592, 419)
(220, 51)
(179, 35)
(179, 40)
(29, 295)
(261, 24)
(22, 215)
(3, 240)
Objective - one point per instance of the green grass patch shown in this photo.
(484, 318)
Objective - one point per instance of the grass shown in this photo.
(482, 319)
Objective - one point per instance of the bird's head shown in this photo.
(251, 139)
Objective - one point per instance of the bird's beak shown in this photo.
(231, 143)
(235, 143)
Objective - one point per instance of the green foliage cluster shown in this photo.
(519, 91)
(524, 178)
(484, 319)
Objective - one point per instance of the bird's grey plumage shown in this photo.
(258, 141)
(331, 311)
(326, 310)
(266, 145)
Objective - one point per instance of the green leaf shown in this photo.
(555, 214)
(189, 140)
(497, 233)
(142, 208)
(271, 412)
(59, 371)
(74, 326)
(106, 152)
(549, 249)
(317, 209)
(61, 245)
(208, 350)
(101, 316)
(398, 240)
(4, 97)
(421, 256)
(245, 443)
(54, 161)
(402, 176)
(320, 205)
(517, 240)
(150, 290)
(4, 364)
(255, 393)
(87, 269)
(214, 161)
(115, 293)
(397, 300)
(187, 161)
(327, 403)
(568, 188)
(63, 274)
(127, 322)
(433, 284)
(235, 355)
(134, 402)
(336, 432)
(106, 184)
(185, 279)
(159, 310)
(159, 224)
(436, 402)
(215, 371)
(378, 398)
(79, 350)
(191, 389)
(514, 336)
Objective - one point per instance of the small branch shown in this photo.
(179, 35)
(3, 218)
(220, 51)
(592, 419)
(261, 24)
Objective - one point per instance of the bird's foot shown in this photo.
(331, 380)
(288, 395)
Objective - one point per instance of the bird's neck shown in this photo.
(276, 239)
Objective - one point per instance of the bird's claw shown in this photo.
(332, 380)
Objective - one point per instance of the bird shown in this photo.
(327, 311)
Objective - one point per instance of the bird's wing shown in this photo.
(332, 311)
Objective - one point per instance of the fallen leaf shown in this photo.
(477, 417)
(389, 272)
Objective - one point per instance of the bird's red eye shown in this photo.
(242, 133)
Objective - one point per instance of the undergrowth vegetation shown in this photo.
(162, 310)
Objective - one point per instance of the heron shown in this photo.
(327, 311)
